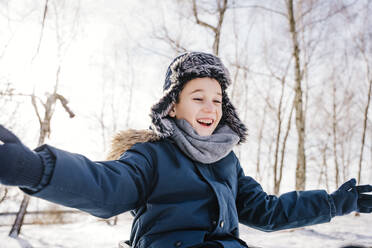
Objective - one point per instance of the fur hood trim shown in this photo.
(124, 140)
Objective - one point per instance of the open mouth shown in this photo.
(205, 122)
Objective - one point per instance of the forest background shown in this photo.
(75, 72)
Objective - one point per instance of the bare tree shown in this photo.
(279, 141)
(322, 153)
(363, 49)
(360, 47)
(259, 145)
(216, 29)
(117, 89)
(176, 40)
(283, 152)
(45, 131)
(45, 117)
(334, 132)
(306, 34)
(298, 102)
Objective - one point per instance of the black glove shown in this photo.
(349, 198)
(19, 166)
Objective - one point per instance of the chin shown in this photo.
(204, 133)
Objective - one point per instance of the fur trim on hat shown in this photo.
(124, 140)
(184, 68)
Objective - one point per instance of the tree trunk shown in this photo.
(45, 130)
(334, 130)
(277, 188)
(324, 167)
(300, 122)
(364, 131)
(260, 138)
(17, 225)
(277, 141)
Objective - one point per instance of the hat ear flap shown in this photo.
(230, 117)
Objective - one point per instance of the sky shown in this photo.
(83, 47)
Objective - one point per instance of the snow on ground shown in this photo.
(91, 233)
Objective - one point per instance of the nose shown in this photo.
(209, 107)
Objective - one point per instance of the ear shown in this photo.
(172, 111)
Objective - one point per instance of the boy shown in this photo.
(181, 179)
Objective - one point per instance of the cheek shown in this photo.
(188, 112)
(219, 113)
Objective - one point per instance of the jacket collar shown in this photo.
(124, 140)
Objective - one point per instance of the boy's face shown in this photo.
(200, 104)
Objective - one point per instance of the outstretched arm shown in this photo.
(103, 189)
(271, 213)
(297, 208)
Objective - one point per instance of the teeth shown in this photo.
(206, 121)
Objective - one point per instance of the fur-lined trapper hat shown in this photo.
(184, 68)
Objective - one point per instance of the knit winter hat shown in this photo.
(184, 68)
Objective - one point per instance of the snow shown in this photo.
(341, 231)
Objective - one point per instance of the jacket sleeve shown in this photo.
(103, 189)
(270, 213)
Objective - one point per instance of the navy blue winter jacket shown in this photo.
(177, 202)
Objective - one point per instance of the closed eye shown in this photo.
(198, 99)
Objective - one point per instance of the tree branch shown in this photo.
(263, 8)
(64, 103)
(42, 29)
(33, 101)
(175, 44)
(330, 15)
(198, 21)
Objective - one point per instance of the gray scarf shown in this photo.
(204, 149)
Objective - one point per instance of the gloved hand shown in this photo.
(19, 166)
(349, 198)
